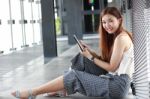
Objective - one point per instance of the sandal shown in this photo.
(30, 96)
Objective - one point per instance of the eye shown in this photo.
(103, 22)
(110, 20)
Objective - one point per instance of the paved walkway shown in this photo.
(35, 72)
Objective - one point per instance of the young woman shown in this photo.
(116, 58)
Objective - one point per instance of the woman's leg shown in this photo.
(81, 63)
(52, 86)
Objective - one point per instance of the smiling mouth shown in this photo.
(109, 29)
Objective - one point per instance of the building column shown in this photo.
(73, 19)
(48, 29)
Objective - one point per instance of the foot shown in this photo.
(52, 94)
(25, 94)
(56, 94)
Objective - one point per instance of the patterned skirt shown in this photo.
(96, 85)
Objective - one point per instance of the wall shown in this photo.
(141, 30)
(20, 24)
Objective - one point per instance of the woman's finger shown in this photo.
(83, 44)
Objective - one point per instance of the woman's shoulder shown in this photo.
(124, 39)
(123, 36)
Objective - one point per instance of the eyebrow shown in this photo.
(108, 19)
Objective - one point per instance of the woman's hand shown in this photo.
(86, 53)
(85, 45)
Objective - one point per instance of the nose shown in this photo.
(107, 24)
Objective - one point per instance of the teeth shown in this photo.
(109, 29)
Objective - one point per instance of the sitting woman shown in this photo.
(116, 58)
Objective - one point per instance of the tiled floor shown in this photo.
(28, 70)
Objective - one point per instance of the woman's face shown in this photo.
(110, 23)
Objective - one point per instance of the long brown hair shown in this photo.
(107, 40)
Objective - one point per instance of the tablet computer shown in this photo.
(78, 42)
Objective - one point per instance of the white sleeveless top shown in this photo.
(127, 64)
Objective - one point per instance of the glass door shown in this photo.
(91, 10)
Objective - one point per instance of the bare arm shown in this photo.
(94, 54)
(118, 50)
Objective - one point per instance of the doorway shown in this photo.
(90, 12)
